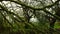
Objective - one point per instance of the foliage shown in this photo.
(15, 16)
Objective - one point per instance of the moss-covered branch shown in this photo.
(6, 19)
(23, 4)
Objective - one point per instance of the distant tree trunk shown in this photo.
(52, 22)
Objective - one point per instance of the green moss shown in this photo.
(57, 25)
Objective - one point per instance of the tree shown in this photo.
(39, 9)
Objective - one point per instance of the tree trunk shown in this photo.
(52, 22)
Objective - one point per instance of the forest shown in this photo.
(29, 16)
